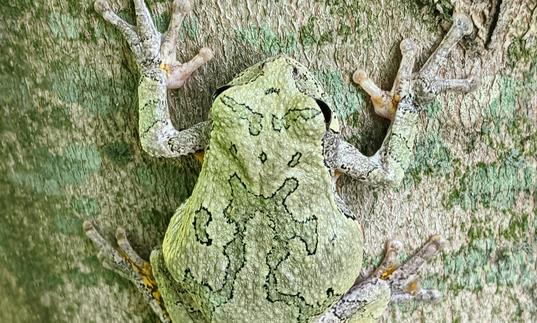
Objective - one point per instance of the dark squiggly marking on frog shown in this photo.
(202, 218)
(282, 229)
(291, 116)
(295, 159)
(246, 113)
(263, 157)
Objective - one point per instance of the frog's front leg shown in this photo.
(156, 59)
(401, 105)
(128, 264)
(367, 300)
(411, 91)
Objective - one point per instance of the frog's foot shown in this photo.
(385, 102)
(403, 279)
(425, 84)
(368, 298)
(178, 72)
(128, 264)
(152, 49)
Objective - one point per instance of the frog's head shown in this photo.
(282, 73)
(267, 118)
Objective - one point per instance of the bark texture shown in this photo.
(69, 148)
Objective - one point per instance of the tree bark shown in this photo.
(69, 146)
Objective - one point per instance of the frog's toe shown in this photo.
(404, 280)
(101, 6)
(382, 100)
(423, 295)
(460, 85)
(178, 73)
(128, 252)
(428, 83)
(462, 26)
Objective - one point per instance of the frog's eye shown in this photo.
(325, 109)
(220, 90)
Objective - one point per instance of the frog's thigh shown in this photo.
(376, 297)
(365, 302)
(168, 289)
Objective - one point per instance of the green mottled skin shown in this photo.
(250, 243)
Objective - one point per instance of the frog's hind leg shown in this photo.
(365, 302)
(368, 298)
(128, 264)
(171, 293)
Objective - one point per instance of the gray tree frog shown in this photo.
(264, 237)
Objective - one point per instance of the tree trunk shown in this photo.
(70, 151)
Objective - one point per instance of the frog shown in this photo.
(264, 235)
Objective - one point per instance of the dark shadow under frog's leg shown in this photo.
(127, 263)
(410, 93)
(160, 71)
(367, 300)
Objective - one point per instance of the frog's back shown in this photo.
(261, 238)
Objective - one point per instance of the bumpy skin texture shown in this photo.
(264, 236)
(280, 255)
